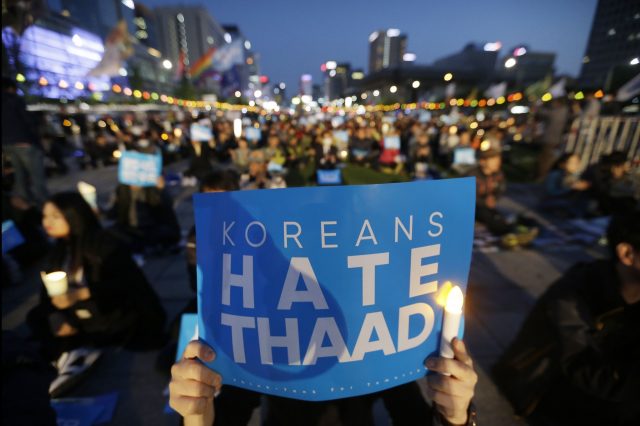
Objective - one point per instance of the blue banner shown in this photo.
(329, 292)
(138, 169)
(252, 134)
(329, 177)
(11, 236)
(85, 411)
(200, 133)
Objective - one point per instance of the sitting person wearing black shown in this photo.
(576, 359)
(107, 300)
(490, 185)
(145, 218)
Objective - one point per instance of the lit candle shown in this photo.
(451, 321)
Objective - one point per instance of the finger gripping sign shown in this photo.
(136, 168)
(329, 292)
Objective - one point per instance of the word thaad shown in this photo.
(423, 264)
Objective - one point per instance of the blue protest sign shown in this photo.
(392, 142)
(136, 168)
(252, 134)
(329, 292)
(329, 177)
(11, 236)
(188, 331)
(341, 136)
(464, 155)
(200, 133)
(337, 121)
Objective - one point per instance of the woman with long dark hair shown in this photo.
(108, 300)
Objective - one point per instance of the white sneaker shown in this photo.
(72, 367)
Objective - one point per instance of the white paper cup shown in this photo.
(89, 194)
(55, 282)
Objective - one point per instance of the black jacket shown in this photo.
(577, 357)
(125, 309)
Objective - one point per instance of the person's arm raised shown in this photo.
(194, 386)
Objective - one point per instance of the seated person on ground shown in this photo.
(490, 185)
(565, 190)
(258, 176)
(576, 359)
(217, 181)
(362, 149)
(108, 299)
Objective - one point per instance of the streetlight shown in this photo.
(415, 84)
(283, 86)
(510, 63)
(448, 76)
(257, 93)
(238, 94)
(167, 64)
(393, 89)
(634, 61)
(376, 93)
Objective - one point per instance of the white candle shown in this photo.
(55, 282)
(451, 321)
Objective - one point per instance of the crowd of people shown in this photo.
(109, 301)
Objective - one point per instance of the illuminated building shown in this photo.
(614, 41)
(386, 49)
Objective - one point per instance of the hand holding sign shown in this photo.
(335, 298)
(193, 385)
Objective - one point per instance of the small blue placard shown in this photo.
(11, 236)
(200, 133)
(138, 169)
(329, 292)
(329, 177)
(85, 411)
(341, 136)
(392, 142)
(464, 155)
(252, 134)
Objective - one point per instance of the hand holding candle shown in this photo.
(451, 321)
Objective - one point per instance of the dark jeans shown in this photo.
(28, 166)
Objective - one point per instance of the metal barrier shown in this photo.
(591, 139)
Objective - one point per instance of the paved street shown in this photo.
(503, 287)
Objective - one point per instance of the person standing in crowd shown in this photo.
(109, 302)
(576, 359)
(555, 119)
(20, 143)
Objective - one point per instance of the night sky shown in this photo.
(294, 37)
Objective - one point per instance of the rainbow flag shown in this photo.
(203, 63)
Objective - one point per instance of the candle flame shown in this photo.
(441, 297)
(455, 300)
